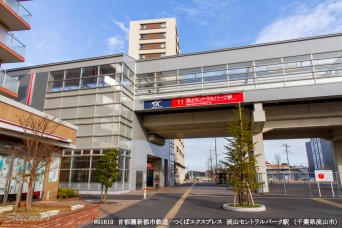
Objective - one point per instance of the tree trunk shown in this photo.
(105, 196)
(18, 197)
(101, 193)
(29, 192)
(20, 187)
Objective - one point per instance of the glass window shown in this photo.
(93, 176)
(56, 86)
(73, 73)
(327, 55)
(240, 71)
(326, 61)
(89, 71)
(72, 84)
(79, 176)
(90, 82)
(77, 152)
(215, 68)
(57, 75)
(96, 152)
(127, 163)
(86, 151)
(107, 69)
(126, 176)
(121, 162)
(108, 80)
(66, 162)
(190, 71)
(81, 162)
(239, 65)
(64, 176)
(94, 161)
(268, 62)
(296, 58)
(67, 152)
(297, 64)
(127, 83)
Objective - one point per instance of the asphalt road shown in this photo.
(203, 206)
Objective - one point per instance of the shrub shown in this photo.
(64, 193)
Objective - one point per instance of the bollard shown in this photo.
(145, 191)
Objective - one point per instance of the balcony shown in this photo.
(11, 49)
(14, 16)
(8, 85)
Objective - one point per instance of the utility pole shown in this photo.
(211, 161)
(215, 153)
(287, 156)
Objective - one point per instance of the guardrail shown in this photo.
(19, 9)
(13, 43)
(8, 82)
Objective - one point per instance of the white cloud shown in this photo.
(304, 21)
(122, 26)
(204, 11)
(115, 44)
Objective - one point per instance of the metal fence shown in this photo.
(303, 185)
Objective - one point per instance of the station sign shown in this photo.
(324, 175)
(195, 101)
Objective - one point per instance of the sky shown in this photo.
(68, 29)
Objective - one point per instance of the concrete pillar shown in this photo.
(338, 159)
(258, 120)
(258, 139)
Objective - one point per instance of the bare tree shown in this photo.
(277, 160)
(37, 150)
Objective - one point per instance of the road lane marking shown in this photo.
(328, 202)
(174, 210)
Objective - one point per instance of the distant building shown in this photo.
(281, 171)
(320, 155)
(157, 38)
(153, 38)
(179, 161)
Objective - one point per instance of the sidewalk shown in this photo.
(114, 203)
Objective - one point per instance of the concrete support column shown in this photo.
(258, 120)
(258, 139)
(338, 159)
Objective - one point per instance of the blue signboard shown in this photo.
(157, 104)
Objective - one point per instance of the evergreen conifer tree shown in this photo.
(240, 164)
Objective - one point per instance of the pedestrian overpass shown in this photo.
(290, 89)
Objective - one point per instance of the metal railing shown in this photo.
(8, 82)
(13, 43)
(19, 9)
(240, 78)
(303, 185)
